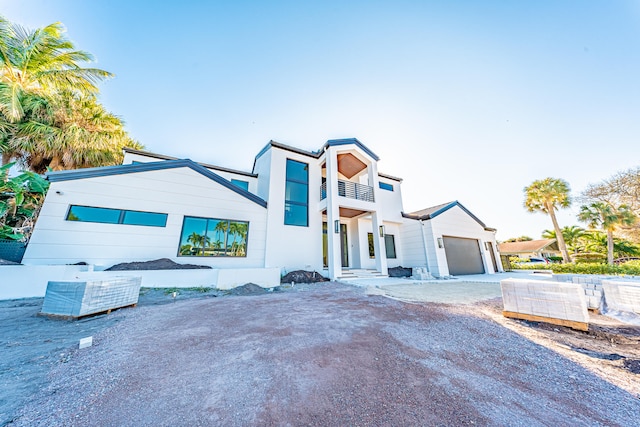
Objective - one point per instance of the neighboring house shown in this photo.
(543, 248)
(326, 210)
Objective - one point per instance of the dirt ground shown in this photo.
(324, 354)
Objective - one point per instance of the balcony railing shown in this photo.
(351, 190)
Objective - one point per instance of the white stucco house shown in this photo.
(329, 210)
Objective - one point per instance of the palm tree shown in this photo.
(70, 131)
(597, 241)
(608, 218)
(198, 240)
(49, 113)
(547, 195)
(41, 61)
(572, 234)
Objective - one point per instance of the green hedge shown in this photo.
(631, 268)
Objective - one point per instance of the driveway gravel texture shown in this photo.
(327, 354)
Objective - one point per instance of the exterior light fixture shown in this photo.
(382, 231)
(336, 226)
(440, 243)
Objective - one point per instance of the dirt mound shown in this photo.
(158, 264)
(301, 276)
(248, 289)
(400, 272)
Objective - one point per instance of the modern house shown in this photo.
(543, 248)
(329, 210)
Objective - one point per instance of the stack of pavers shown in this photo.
(552, 302)
(78, 298)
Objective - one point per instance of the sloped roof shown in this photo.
(69, 175)
(206, 165)
(434, 211)
(527, 246)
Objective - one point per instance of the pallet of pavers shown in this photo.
(558, 303)
(622, 295)
(73, 299)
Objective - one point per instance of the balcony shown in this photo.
(351, 190)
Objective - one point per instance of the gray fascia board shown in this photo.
(446, 208)
(206, 165)
(391, 177)
(151, 166)
(354, 141)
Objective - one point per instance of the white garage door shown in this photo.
(463, 256)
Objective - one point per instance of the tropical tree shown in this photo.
(547, 195)
(573, 237)
(41, 61)
(198, 240)
(519, 239)
(608, 218)
(49, 113)
(597, 242)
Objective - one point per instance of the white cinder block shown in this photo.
(86, 342)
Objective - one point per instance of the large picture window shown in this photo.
(116, 216)
(213, 237)
(296, 194)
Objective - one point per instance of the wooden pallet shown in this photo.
(580, 326)
(84, 316)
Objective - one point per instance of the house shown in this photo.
(329, 210)
(543, 248)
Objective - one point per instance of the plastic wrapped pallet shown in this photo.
(553, 302)
(77, 298)
(622, 296)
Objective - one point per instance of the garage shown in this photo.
(463, 256)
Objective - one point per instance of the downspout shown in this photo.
(424, 244)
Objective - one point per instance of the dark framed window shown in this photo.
(385, 186)
(242, 184)
(390, 245)
(372, 248)
(213, 237)
(296, 194)
(115, 216)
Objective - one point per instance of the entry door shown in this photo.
(344, 245)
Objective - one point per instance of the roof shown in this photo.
(432, 212)
(527, 246)
(318, 154)
(208, 166)
(69, 175)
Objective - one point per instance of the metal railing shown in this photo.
(351, 190)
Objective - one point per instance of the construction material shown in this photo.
(622, 296)
(78, 298)
(558, 303)
(86, 342)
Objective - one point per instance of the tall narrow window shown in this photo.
(390, 245)
(296, 194)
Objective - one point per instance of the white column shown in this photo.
(378, 244)
(334, 256)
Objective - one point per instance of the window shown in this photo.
(390, 245)
(372, 248)
(385, 186)
(213, 237)
(242, 184)
(296, 194)
(116, 216)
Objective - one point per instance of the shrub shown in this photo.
(590, 258)
(555, 258)
(599, 268)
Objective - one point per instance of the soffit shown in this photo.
(349, 165)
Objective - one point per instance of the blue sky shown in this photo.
(465, 100)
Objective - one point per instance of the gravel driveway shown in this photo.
(328, 355)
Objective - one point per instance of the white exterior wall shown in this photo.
(176, 192)
(390, 202)
(129, 158)
(457, 223)
(290, 247)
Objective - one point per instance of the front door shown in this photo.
(344, 245)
